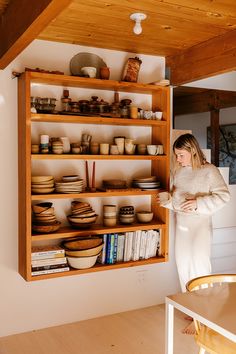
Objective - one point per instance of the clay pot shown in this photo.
(104, 73)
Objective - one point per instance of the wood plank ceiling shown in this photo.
(198, 38)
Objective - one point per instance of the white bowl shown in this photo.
(89, 70)
(82, 262)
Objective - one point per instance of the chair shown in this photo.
(207, 339)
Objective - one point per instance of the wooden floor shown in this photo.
(135, 332)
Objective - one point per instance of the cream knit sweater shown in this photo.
(204, 184)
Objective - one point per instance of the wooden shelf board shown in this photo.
(59, 118)
(94, 157)
(101, 267)
(84, 82)
(67, 231)
(92, 194)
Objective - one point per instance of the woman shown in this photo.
(198, 191)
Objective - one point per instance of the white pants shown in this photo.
(192, 246)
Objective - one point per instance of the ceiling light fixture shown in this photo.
(138, 17)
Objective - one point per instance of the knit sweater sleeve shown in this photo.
(218, 194)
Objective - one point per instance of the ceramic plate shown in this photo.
(85, 59)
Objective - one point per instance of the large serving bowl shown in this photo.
(82, 262)
(82, 243)
(85, 253)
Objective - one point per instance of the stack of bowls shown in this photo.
(126, 214)
(44, 219)
(83, 252)
(109, 215)
(57, 147)
(82, 215)
(42, 184)
(70, 184)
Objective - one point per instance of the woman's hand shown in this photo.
(189, 205)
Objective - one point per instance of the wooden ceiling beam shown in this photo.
(213, 57)
(21, 23)
(204, 102)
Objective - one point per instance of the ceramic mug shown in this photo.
(152, 149)
(114, 150)
(104, 149)
(120, 142)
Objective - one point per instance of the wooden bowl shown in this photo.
(46, 228)
(84, 253)
(82, 243)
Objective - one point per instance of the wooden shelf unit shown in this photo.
(160, 166)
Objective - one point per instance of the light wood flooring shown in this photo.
(134, 332)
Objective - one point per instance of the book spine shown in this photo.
(108, 248)
(49, 261)
(120, 248)
(102, 255)
(111, 253)
(115, 248)
(49, 271)
(53, 266)
(48, 254)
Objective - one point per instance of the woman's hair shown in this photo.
(189, 143)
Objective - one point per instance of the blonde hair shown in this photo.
(189, 143)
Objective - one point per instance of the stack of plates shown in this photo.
(114, 184)
(70, 187)
(42, 184)
(82, 215)
(146, 183)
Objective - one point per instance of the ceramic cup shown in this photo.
(89, 70)
(133, 112)
(152, 149)
(142, 149)
(129, 146)
(160, 149)
(66, 144)
(114, 150)
(104, 149)
(120, 142)
(94, 148)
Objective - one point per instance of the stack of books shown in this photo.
(49, 259)
(130, 246)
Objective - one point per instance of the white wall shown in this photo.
(27, 306)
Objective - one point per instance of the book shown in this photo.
(115, 248)
(102, 256)
(120, 247)
(44, 252)
(49, 271)
(48, 261)
(46, 267)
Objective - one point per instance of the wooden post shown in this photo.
(215, 136)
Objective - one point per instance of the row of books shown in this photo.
(130, 246)
(46, 260)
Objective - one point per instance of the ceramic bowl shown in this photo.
(82, 262)
(46, 228)
(82, 243)
(144, 216)
(84, 253)
(41, 178)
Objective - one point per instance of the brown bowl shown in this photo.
(144, 216)
(82, 243)
(46, 228)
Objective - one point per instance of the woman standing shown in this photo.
(198, 191)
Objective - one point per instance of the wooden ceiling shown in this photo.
(198, 38)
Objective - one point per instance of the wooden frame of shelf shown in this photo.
(160, 165)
